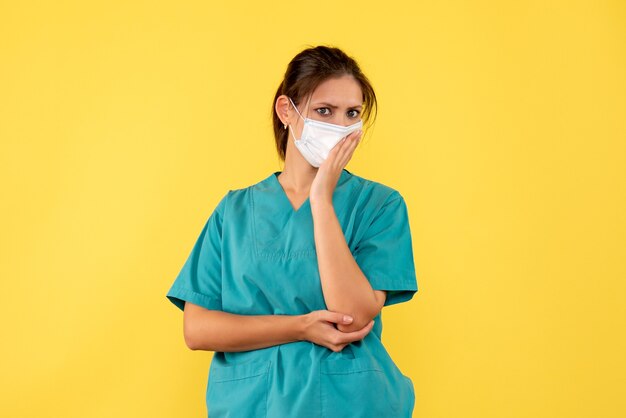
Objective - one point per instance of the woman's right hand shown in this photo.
(319, 328)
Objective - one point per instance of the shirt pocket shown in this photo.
(354, 388)
(238, 390)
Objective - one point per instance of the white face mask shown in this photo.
(318, 138)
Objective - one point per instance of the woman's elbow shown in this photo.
(359, 322)
(194, 336)
(363, 318)
(189, 335)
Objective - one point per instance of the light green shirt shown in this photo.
(256, 256)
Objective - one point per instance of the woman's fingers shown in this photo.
(346, 143)
(347, 148)
(336, 317)
(320, 331)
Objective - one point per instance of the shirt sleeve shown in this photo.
(385, 252)
(200, 279)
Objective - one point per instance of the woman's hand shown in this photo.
(328, 173)
(319, 328)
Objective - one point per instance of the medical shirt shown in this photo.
(256, 256)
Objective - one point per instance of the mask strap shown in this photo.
(292, 134)
(294, 106)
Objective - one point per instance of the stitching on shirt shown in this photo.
(272, 255)
(319, 382)
(267, 386)
(253, 223)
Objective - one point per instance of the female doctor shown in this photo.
(288, 278)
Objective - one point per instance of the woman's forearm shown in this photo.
(345, 287)
(223, 331)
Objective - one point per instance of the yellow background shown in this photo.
(502, 124)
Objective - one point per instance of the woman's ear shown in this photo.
(282, 109)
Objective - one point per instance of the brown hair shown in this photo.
(307, 70)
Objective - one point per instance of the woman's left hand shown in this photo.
(328, 173)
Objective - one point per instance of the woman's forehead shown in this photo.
(343, 92)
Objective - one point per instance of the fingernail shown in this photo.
(347, 318)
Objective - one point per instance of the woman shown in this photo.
(288, 277)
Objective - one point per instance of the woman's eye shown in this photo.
(326, 111)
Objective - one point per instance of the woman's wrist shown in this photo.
(300, 326)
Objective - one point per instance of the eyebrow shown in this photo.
(335, 107)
